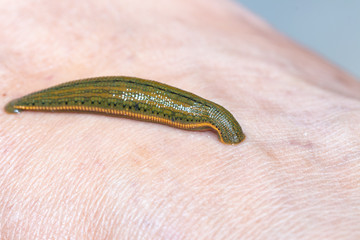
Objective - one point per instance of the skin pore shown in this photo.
(82, 176)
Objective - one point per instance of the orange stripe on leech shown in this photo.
(124, 113)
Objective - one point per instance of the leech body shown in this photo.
(137, 99)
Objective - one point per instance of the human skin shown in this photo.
(84, 176)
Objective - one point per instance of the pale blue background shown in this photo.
(329, 27)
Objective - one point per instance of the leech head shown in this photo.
(10, 107)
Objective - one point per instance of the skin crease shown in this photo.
(82, 176)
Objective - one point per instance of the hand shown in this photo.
(84, 176)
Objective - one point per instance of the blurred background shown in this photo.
(329, 27)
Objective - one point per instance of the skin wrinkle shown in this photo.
(80, 176)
